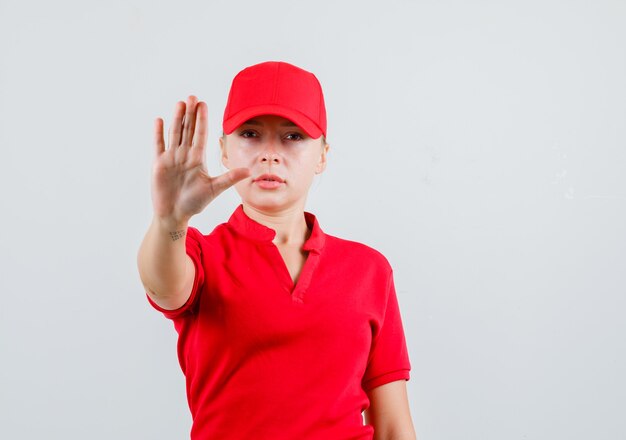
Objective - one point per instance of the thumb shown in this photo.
(237, 174)
(229, 178)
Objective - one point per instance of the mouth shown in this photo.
(269, 178)
(268, 182)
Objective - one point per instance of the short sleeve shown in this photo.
(193, 240)
(389, 358)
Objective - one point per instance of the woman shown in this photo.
(285, 332)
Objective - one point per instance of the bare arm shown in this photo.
(166, 271)
(181, 188)
(389, 412)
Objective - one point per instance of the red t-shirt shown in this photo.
(264, 359)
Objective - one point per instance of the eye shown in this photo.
(247, 134)
(295, 137)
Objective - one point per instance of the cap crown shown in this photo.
(279, 88)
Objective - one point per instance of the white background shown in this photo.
(481, 146)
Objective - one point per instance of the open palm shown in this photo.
(181, 185)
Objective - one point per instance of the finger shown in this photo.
(202, 126)
(229, 178)
(159, 143)
(176, 127)
(189, 124)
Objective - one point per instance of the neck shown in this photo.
(290, 224)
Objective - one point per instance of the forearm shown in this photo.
(406, 436)
(162, 257)
(401, 436)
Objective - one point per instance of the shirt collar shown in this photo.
(249, 228)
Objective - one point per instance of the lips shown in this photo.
(270, 178)
(269, 182)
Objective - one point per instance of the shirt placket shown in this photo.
(304, 281)
(298, 291)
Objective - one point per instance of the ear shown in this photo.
(321, 165)
(224, 155)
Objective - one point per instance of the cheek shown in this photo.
(313, 162)
(240, 158)
(242, 187)
(306, 167)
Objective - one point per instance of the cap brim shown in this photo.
(294, 116)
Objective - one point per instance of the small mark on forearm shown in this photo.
(177, 234)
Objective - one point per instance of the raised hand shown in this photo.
(181, 186)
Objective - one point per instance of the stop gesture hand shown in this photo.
(181, 185)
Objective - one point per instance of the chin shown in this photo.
(269, 203)
(265, 206)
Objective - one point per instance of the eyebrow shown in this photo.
(284, 124)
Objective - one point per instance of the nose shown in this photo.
(270, 154)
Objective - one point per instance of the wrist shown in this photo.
(171, 225)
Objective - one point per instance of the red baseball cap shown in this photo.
(276, 88)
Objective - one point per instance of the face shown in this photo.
(274, 146)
